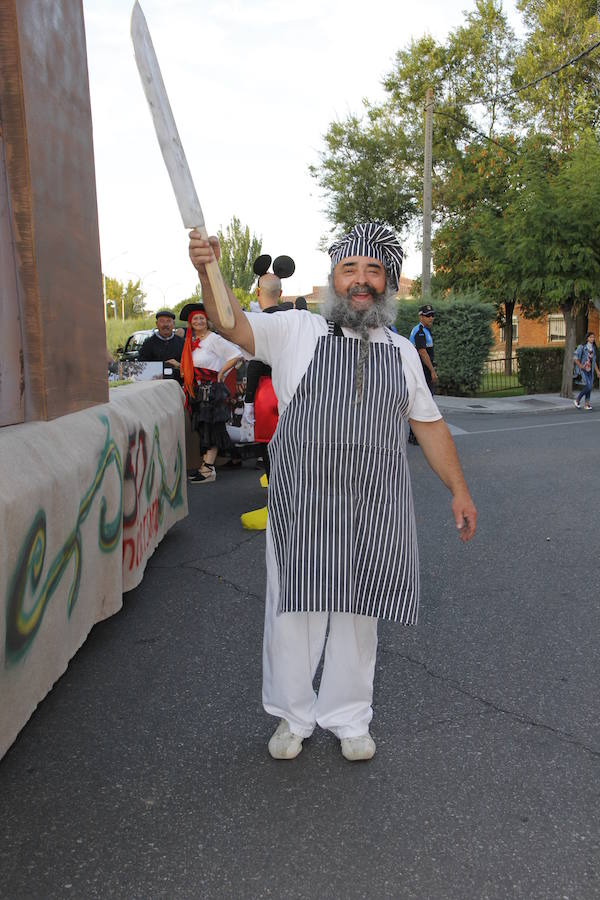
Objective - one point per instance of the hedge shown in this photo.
(540, 369)
(462, 337)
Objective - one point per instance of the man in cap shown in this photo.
(422, 338)
(164, 345)
(341, 542)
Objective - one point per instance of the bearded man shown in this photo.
(341, 538)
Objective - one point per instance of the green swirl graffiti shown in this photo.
(174, 495)
(22, 624)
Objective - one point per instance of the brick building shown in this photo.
(546, 331)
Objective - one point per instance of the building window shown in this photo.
(515, 336)
(556, 328)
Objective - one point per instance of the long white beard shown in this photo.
(338, 308)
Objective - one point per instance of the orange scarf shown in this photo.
(187, 364)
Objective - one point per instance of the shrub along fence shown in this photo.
(462, 338)
(540, 369)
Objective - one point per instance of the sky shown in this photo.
(254, 86)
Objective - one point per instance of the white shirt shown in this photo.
(287, 342)
(213, 352)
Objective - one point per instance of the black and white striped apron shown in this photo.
(340, 503)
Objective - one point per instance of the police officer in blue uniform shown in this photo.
(422, 339)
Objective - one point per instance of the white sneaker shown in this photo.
(356, 748)
(577, 404)
(588, 406)
(284, 744)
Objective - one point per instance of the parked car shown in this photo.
(133, 344)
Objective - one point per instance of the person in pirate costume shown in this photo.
(260, 415)
(341, 540)
(205, 360)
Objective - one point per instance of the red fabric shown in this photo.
(230, 382)
(205, 374)
(186, 365)
(266, 413)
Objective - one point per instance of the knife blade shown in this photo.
(173, 152)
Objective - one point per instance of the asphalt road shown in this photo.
(145, 772)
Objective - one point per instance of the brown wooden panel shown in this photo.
(12, 399)
(45, 109)
(16, 168)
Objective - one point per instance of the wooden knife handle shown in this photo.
(219, 290)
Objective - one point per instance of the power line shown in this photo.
(465, 124)
(543, 77)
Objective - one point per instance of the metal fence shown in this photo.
(495, 377)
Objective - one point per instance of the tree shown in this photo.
(556, 237)
(239, 249)
(472, 248)
(195, 297)
(129, 299)
(372, 166)
(564, 105)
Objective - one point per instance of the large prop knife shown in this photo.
(172, 151)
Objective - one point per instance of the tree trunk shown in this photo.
(581, 327)
(566, 389)
(509, 308)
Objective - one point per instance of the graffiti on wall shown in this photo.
(144, 488)
(23, 615)
(147, 489)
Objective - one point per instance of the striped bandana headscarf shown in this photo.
(375, 241)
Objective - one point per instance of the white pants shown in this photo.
(293, 646)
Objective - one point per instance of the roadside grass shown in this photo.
(118, 330)
(499, 385)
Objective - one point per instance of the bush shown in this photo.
(540, 369)
(462, 337)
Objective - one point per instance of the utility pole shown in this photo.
(426, 264)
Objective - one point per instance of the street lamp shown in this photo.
(139, 278)
(123, 253)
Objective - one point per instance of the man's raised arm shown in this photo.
(201, 253)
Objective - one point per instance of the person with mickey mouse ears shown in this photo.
(341, 544)
(260, 415)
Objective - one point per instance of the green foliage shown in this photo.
(540, 369)
(195, 297)
(462, 339)
(239, 249)
(243, 297)
(372, 166)
(117, 330)
(366, 172)
(567, 103)
(129, 298)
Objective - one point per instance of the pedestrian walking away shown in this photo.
(585, 364)
(341, 544)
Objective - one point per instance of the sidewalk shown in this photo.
(527, 403)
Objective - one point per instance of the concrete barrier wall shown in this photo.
(85, 500)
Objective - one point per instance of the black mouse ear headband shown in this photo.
(283, 266)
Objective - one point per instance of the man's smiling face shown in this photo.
(359, 279)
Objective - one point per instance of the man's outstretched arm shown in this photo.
(440, 452)
(201, 253)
